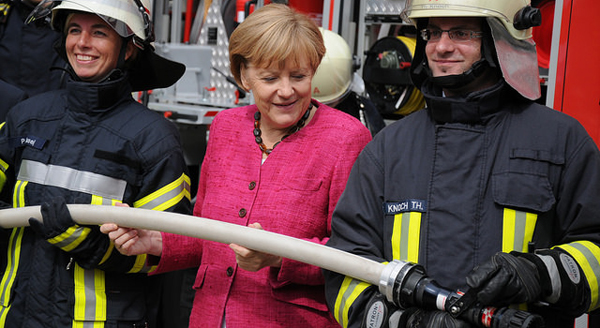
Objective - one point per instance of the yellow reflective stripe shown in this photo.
(99, 200)
(19, 194)
(13, 256)
(166, 196)
(406, 235)
(2, 125)
(349, 290)
(70, 239)
(3, 168)
(140, 264)
(109, 251)
(587, 255)
(90, 297)
(12, 265)
(517, 230)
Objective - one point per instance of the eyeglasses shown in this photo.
(456, 35)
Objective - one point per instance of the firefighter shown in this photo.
(491, 192)
(90, 143)
(28, 60)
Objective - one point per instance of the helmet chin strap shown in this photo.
(117, 72)
(460, 80)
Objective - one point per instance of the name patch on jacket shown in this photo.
(29, 141)
(410, 205)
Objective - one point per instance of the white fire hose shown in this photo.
(260, 240)
(403, 283)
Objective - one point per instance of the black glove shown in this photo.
(86, 244)
(507, 279)
(57, 221)
(433, 319)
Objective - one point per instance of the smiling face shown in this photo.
(92, 46)
(450, 57)
(282, 94)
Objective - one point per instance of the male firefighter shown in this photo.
(486, 189)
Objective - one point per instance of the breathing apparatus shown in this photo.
(506, 44)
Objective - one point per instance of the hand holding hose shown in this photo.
(252, 260)
(506, 279)
(130, 241)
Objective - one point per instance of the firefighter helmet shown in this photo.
(126, 17)
(517, 16)
(510, 25)
(332, 80)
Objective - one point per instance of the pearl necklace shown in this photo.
(294, 129)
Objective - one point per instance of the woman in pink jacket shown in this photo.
(278, 165)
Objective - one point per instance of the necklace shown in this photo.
(294, 129)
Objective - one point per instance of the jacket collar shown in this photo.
(476, 107)
(97, 98)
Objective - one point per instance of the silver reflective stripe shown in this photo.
(71, 179)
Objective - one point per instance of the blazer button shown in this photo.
(229, 272)
(252, 185)
(242, 212)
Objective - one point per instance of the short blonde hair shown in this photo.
(273, 34)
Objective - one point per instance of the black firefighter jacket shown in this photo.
(91, 144)
(451, 185)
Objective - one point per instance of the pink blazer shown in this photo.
(293, 193)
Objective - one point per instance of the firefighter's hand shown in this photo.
(252, 260)
(506, 279)
(58, 226)
(433, 319)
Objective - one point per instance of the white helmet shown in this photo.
(332, 80)
(510, 22)
(126, 17)
(517, 16)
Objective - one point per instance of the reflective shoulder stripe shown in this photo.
(2, 125)
(166, 196)
(517, 230)
(351, 288)
(72, 179)
(587, 255)
(406, 236)
(90, 296)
